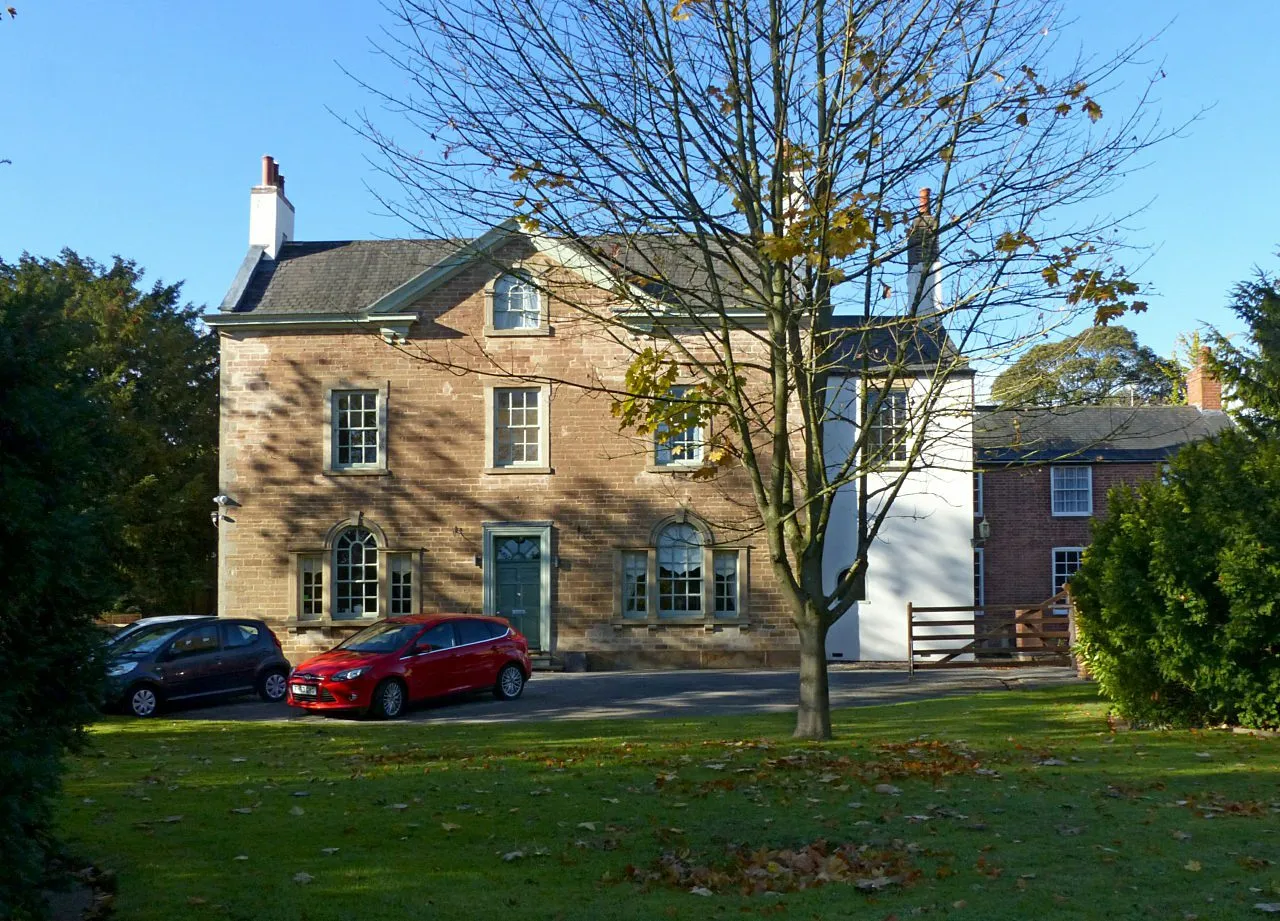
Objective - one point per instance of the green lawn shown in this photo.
(1017, 805)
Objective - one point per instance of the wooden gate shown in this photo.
(1003, 635)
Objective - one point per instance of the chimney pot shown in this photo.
(926, 194)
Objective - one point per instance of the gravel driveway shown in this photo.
(634, 694)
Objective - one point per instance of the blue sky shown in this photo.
(137, 128)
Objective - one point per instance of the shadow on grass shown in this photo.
(337, 820)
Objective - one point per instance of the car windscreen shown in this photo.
(381, 638)
(146, 640)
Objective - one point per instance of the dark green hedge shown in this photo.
(1179, 594)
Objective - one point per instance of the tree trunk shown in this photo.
(813, 719)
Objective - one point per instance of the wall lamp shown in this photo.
(219, 514)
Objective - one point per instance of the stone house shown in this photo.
(364, 474)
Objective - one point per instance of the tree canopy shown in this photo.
(1250, 373)
(1099, 366)
(742, 177)
(1176, 596)
(107, 437)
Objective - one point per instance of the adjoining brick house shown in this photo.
(1041, 479)
(359, 481)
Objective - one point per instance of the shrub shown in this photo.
(1178, 595)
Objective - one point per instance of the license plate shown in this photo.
(303, 690)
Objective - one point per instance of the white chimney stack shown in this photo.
(270, 213)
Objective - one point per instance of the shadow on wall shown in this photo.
(434, 497)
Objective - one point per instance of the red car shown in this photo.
(404, 659)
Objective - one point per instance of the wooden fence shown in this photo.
(1005, 635)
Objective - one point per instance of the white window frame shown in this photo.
(390, 558)
(313, 565)
(979, 578)
(691, 441)
(898, 430)
(710, 552)
(377, 581)
(401, 565)
(718, 556)
(333, 391)
(633, 571)
(543, 464)
(492, 293)
(1054, 489)
(1054, 586)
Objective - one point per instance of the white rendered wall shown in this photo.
(270, 219)
(923, 552)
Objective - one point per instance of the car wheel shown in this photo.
(510, 684)
(272, 686)
(388, 700)
(143, 701)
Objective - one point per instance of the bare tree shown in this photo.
(743, 177)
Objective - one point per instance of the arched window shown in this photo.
(679, 571)
(355, 574)
(517, 304)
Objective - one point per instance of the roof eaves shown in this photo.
(238, 285)
(431, 278)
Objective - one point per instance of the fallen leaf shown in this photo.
(1052, 762)
(297, 810)
(240, 857)
(512, 855)
(1269, 907)
(328, 851)
(887, 788)
(172, 818)
(302, 878)
(399, 807)
(242, 810)
(1182, 835)
(1192, 865)
(700, 890)
(239, 760)
(1069, 831)
(449, 826)
(589, 826)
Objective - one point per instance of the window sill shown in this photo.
(324, 623)
(1071, 514)
(676, 469)
(494, 332)
(517, 470)
(679, 622)
(356, 471)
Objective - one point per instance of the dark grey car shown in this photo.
(194, 659)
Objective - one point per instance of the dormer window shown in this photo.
(517, 304)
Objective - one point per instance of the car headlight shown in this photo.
(121, 668)
(349, 674)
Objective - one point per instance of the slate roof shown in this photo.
(343, 276)
(919, 345)
(347, 276)
(1088, 434)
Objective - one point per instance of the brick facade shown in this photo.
(1018, 554)
(436, 493)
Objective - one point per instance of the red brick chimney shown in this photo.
(1204, 390)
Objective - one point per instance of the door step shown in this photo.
(543, 662)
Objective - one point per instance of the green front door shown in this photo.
(518, 583)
